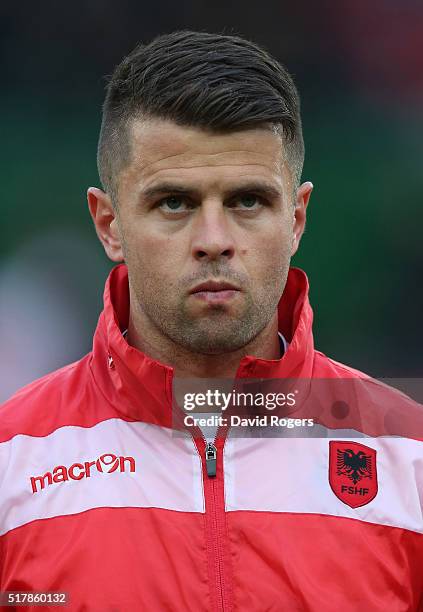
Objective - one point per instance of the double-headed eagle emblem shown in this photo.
(354, 465)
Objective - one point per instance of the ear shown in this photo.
(300, 214)
(105, 220)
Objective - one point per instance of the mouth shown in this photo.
(215, 291)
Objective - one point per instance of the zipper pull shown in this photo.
(211, 458)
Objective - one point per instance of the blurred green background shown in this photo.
(359, 70)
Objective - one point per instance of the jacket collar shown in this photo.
(140, 388)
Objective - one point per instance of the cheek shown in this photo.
(154, 260)
(138, 242)
(270, 252)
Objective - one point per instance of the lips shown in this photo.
(214, 287)
(215, 293)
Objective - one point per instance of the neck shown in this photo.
(186, 364)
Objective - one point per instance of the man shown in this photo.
(200, 157)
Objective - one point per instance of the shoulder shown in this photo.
(377, 407)
(325, 367)
(47, 403)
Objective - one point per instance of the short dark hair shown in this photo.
(216, 82)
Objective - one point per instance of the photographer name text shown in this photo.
(267, 420)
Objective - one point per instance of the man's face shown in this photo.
(198, 208)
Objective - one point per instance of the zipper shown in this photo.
(218, 562)
(211, 459)
(215, 518)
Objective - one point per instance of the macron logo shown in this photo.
(107, 463)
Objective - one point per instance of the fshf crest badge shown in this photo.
(352, 472)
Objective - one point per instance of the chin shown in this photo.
(212, 343)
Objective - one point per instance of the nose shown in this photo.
(212, 238)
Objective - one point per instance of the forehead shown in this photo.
(161, 148)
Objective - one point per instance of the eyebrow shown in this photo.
(259, 187)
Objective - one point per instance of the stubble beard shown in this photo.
(216, 331)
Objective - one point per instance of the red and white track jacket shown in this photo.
(100, 499)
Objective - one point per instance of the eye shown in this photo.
(247, 201)
(173, 204)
